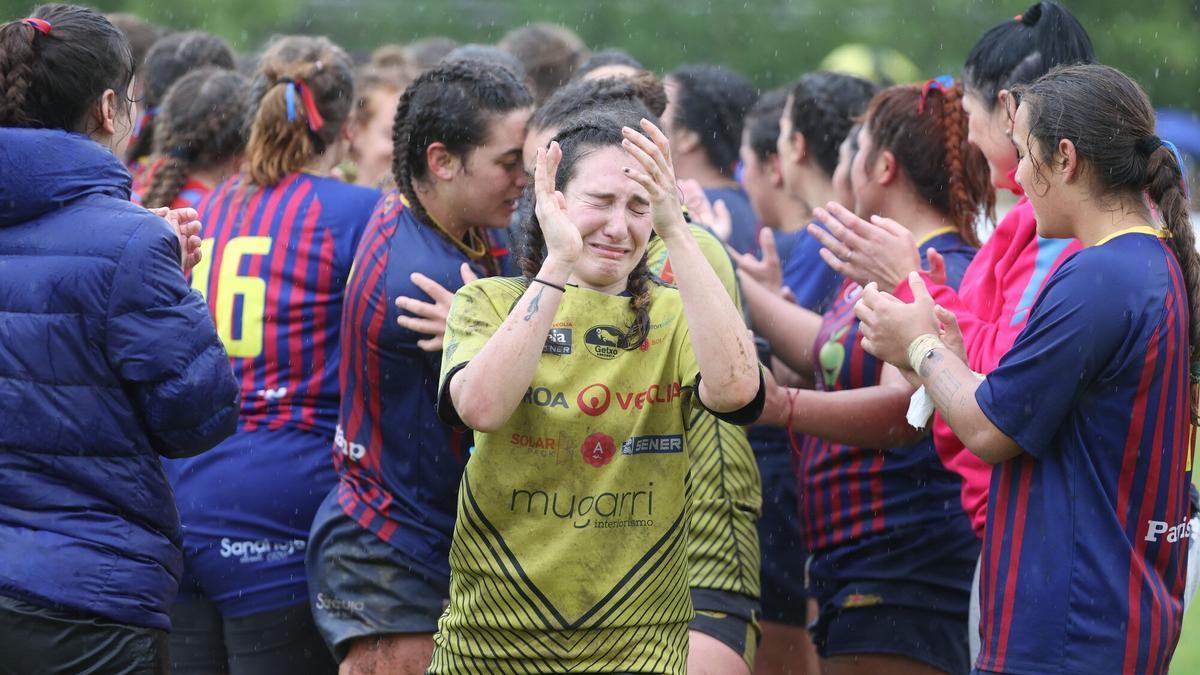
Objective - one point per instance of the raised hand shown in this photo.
(715, 214)
(880, 250)
(563, 242)
(657, 175)
(769, 271)
(430, 317)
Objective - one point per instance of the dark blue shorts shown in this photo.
(904, 592)
(784, 598)
(730, 618)
(360, 585)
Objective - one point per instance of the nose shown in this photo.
(617, 227)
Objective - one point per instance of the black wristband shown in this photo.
(547, 283)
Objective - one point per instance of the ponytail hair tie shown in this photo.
(1148, 145)
(315, 121)
(942, 83)
(1183, 180)
(40, 25)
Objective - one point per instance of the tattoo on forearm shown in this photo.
(533, 304)
(928, 364)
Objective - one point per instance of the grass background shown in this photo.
(1187, 654)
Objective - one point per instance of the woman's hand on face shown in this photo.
(657, 175)
(563, 241)
(881, 250)
(889, 326)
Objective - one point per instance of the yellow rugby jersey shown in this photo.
(723, 549)
(569, 550)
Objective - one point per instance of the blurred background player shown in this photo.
(380, 543)
(705, 110)
(110, 362)
(200, 138)
(279, 243)
(378, 90)
(549, 54)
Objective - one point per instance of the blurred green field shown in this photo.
(1187, 654)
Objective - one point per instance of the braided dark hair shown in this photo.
(202, 124)
(930, 144)
(587, 133)
(1111, 122)
(712, 101)
(451, 104)
(824, 107)
(586, 95)
(169, 59)
(279, 146)
(50, 81)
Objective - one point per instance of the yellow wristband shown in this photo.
(919, 348)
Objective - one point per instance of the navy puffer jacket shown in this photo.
(107, 360)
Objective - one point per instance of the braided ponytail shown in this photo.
(285, 134)
(202, 125)
(1164, 186)
(50, 80)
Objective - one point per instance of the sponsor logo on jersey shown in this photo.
(545, 398)
(634, 508)
(595, 399)
(354, 451)
(260, 550)
(652, 445)
(598, 449)
(1173, 533)
(861, 600)
(559, 449)
(558, 342)
(604, 341)
(273, 395)
(335, 605)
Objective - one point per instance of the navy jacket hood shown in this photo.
(46, 169)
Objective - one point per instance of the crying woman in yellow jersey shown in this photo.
(569, 547)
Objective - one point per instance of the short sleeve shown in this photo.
(472, 321)
(1074, 333)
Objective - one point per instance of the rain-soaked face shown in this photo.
(990, 131)
(612, 212)
(489, 187)
(1038, 180)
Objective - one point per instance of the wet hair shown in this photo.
(1024, 48)
(931, 146)
(824, 107)
(279, 146)
(488, 54)
(427, 52)
(1110, 121)
(713, 101)
(606, 57)
(762, 123)
(141, 35)
(202, 124)
(586, 95)
(168, 60)
(51, 81)
(586, 134)
(451, 104)
(390, 56)
(549, 54)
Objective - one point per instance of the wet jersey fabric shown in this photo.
(189, 197)
(399, 465)
(107, 361)
(992, 305)
(744, 235)
(569, 551)
(848, 493)
(813, 282)
(723, 548)
(1084, 554)
(274, 271)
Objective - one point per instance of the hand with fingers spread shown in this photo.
(563, 241)
(652, 153)
(713, 214)
(889, 326)
(880, 250)
(429, 318)
(187, 226)
(769, 271)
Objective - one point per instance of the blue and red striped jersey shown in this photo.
(849, 492)
(1084, 553)
(274, 268)
(399, 465)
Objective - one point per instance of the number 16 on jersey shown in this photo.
(230, 284)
